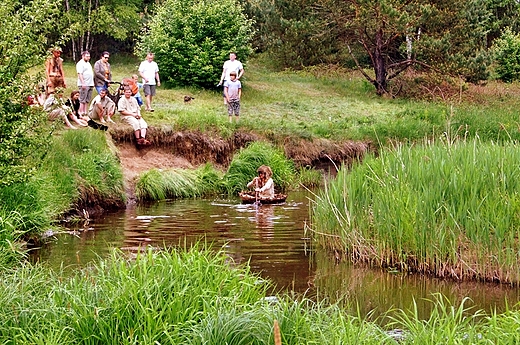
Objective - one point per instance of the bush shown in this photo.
(507, 56)
(192, 39)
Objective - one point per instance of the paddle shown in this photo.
(257, 202)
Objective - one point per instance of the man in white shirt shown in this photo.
(231, 65)
(149, 71)
(102, 107)
(85, 82)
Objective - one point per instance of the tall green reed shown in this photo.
(451, 210)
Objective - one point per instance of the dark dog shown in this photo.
(187, 99)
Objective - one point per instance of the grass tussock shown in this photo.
(196, 297)
(178, 183)
(245, 163)
(446, 209)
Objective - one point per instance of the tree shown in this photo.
(507, 56)
(449, 35)
(23, 37)
(192, 38)
(84, 20)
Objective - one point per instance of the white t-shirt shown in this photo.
(85, 68)
(148, 69)
(232, 66)
(105, 102)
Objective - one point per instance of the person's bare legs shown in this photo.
(67, 123)
(148, 102)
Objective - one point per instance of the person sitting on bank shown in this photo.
(56, 108)
(102, 107)
(131, 114)
(74, 104)
(263, 183)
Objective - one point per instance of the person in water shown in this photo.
(263, 183)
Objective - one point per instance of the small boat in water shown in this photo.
(250, 198)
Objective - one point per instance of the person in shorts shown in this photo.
(85, 82)
(232, 93)
(149, 71)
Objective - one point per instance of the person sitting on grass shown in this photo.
(263, 183)
(102, 107)
(74, 104)
(56, 108)
(131, 114)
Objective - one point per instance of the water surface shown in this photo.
(273, 240)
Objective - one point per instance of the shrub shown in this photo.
(191, 39)
(507, 56)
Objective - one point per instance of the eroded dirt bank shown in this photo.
(187, 150)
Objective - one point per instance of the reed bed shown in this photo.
(245, 163)
(196, 296)
(446, 209)
(158, 184)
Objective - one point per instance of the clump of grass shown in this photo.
(245, 163)
(450, 210)
(158, 184)
(310, 177)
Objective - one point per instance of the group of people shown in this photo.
(77, 110)
(102, 108)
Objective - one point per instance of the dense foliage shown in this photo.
(23, 31)
(192, 39)
(507, 56)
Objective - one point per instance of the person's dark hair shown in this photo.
(85, 52)
(233, 73)
(73, 93)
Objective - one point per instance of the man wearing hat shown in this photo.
(54, 71)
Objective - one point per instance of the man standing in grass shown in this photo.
(85, 82)
(54, 71)
(232, 93)
(149, 71)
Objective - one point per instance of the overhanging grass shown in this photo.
(79, 168)
(178, 183)
(450, 210)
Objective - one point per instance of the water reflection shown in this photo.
(271, 238)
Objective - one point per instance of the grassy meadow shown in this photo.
(330, 103)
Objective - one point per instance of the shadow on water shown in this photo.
(272, 239)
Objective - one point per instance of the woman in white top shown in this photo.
(263, 183)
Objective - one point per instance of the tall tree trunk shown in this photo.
(380, 64)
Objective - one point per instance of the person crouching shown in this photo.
(131, 114)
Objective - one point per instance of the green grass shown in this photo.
(317, 103)
(445, 209)
(178, 183)
(196, 296)
(245, 163)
